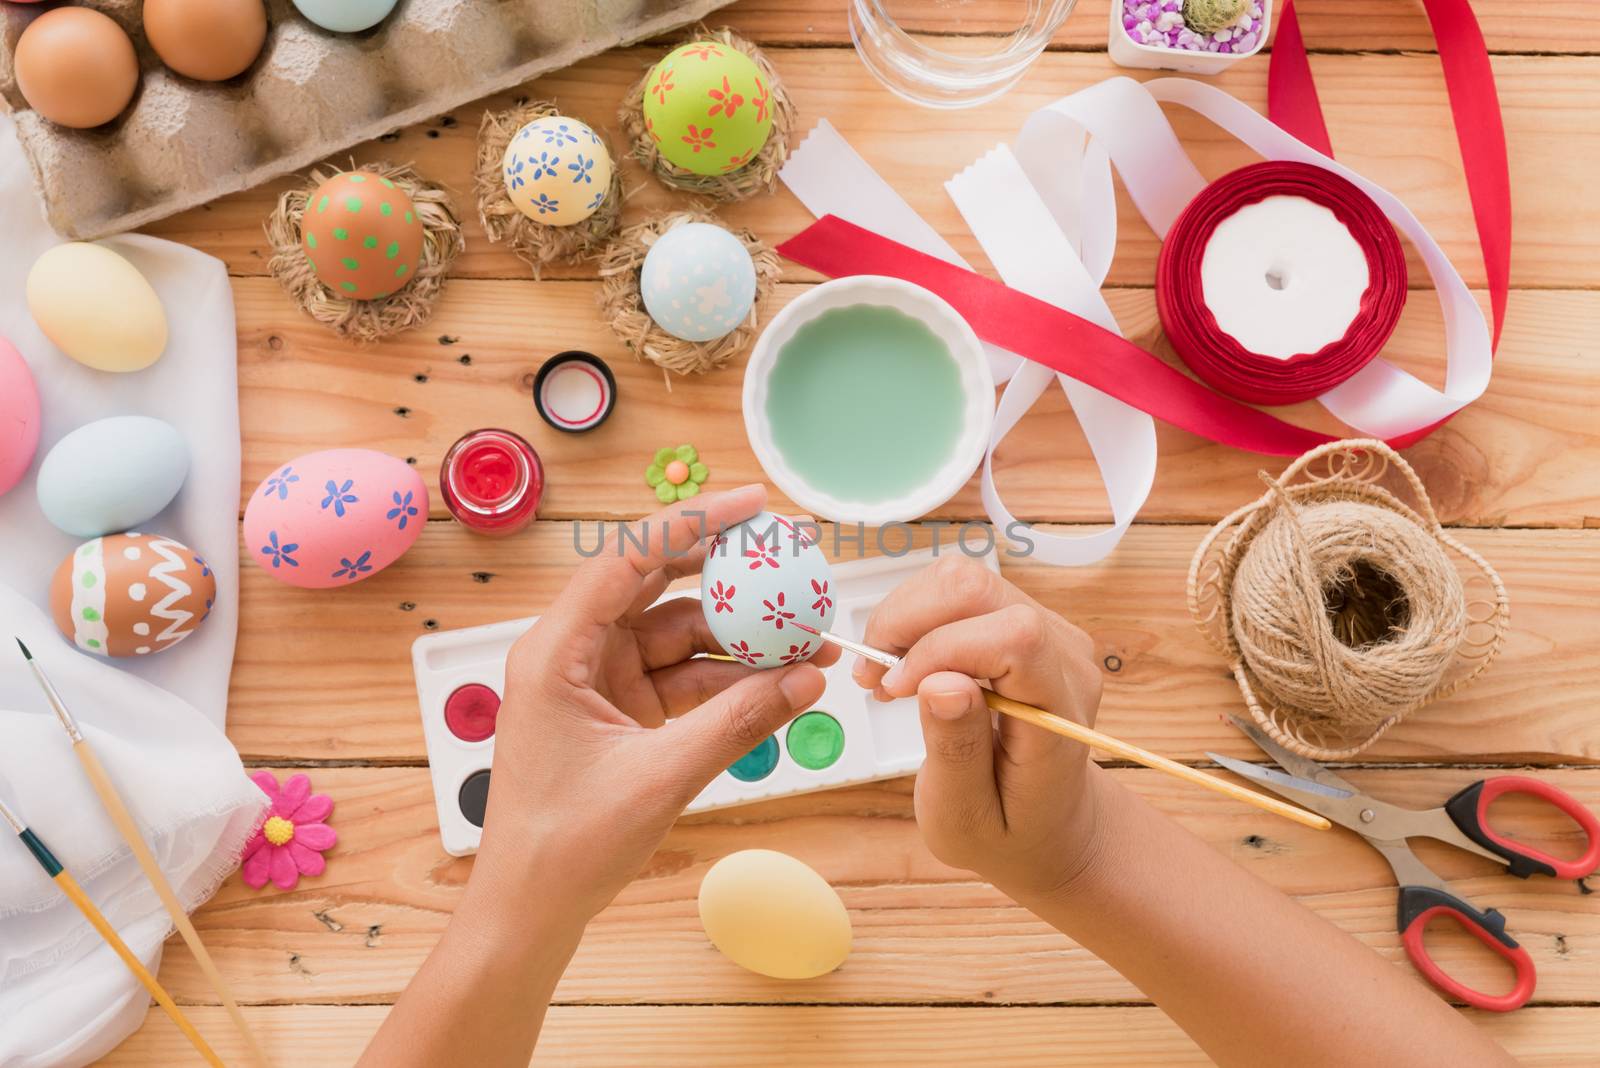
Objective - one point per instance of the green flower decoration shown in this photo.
(676, 474)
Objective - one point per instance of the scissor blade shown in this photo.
(1313, 795)
(1295, 764)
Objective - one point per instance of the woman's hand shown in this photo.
(611, 725)
(1010, 801)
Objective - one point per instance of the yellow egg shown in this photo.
(770, 913)
(97, 308)
(557, 171)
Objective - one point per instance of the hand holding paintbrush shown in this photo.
(983, 635)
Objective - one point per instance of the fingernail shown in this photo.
(892, 677)
(797, 687)
(952, 704)
(858, 671)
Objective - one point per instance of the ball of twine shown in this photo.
(1340, 607)
(367, 320)
(533, 242)
(760, 175)
(623, 306)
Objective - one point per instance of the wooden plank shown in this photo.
(1523, 455)
(923, 932)
(772, 1036)
(290, 700)
(1388, 116)
(1345, 25)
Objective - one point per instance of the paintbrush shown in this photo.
(1097, 740)
(69, 886)
(117, 809)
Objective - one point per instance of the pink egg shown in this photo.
(19, 416)
(333, 518)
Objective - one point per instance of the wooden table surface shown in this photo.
(945, 970)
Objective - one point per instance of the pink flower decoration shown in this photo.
(291, 841)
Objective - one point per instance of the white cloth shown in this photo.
(194, 386)
(65, 999)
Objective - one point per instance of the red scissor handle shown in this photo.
(1469, 810)
(1420, 905)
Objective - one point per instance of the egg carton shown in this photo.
(182, 143)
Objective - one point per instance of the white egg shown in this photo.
(770, 913)
(760, 579)
(112, 475)
(698, 282)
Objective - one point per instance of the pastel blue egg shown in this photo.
(765, 581)
(345, 16)
(698, 282)
(112, 475)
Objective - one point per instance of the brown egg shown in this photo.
(210, 40)
(131, 594)
(76, 67)
(362, 235)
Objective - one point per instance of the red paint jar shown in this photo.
(491, 481)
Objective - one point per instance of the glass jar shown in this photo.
(491, 481)
(934, 55)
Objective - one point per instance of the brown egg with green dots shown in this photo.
(362, 235)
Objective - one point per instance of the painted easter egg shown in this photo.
(112, 474)
(131, 594)
(760, 579)
(19, 416)
(345, 16)
(698, 282)
(557, 171)
(336, 517)
(708, 107)
(362, 235)
(773, 914)
(97, 307)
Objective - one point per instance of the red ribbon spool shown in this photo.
(1219, 359)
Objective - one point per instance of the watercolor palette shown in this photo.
(846, 738)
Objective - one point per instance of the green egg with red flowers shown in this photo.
(708, 107)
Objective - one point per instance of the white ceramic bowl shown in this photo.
(1126, 52)
(977, 386)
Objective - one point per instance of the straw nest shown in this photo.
(530, 241)
(623, 307)
(760, 175)
(367, 320)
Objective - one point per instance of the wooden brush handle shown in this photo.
(123, 820)
(1107, 744)
(69, 886)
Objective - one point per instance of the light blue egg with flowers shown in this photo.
(698, 282)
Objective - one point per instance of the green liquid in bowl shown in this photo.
(865, 403)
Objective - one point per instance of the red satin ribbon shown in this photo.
(1218, 358)
(1474, 105)
(1052, 336)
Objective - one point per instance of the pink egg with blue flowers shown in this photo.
(333, 518)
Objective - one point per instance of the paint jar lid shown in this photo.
(574, 391)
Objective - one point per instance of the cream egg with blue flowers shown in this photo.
(557, 171)
(698, 282)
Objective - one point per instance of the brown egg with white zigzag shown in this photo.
(131, 594)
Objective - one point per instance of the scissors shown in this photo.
(1461, 821)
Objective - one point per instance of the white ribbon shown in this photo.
(1045, 214)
